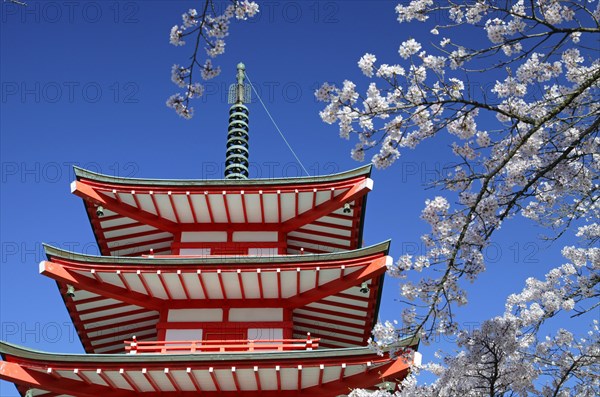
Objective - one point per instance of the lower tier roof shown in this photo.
(116, 298)
(327, 372)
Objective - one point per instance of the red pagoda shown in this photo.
(233, 287)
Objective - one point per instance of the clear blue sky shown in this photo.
(85, 83)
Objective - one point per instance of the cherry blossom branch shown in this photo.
(211, 29)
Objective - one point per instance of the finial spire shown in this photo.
(240, 82)
(236, 162)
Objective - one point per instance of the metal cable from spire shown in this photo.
(276, 126)
(236, 161)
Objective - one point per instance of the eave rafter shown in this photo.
(88, 192)
(23, 375)
(109, 195)
(68, 272)
(356, 191)
(64, 275)
(376, 268)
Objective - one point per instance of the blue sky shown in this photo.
(85, 83)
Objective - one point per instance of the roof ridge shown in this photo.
(382, 247)
(360, 171)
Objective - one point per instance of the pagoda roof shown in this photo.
(314, 214)
(326, 372)
(117, 297)
(191, 260)
(81, 173)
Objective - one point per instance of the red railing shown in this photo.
(216, 346)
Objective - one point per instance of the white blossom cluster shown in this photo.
(538, 155)
(498, 359)
(212, 30)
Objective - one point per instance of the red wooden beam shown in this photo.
(244, 211)
(141, 243)
(164, 284)
(86, 191)
(213, 376)
(172, 380)
(322, 326)
(298, 291)
(278, 372)
(173, 207)
(193, 379)
(119, 333)
(20, 375)
(279, 283)
(117, 196)
(96, 276)
(191, 204)
(136, 200)
(155, 205)
(342, 373)
(93, 299)
(124, 280)
(335, 313)
(59, 273)
(222, 325)
(151, 380)
(320, 243)
(323, 234)
(260, 284)
(83, 377)
(279, 214)
(296, 202)
(307, 250)
(209, 208)
(117, 338)
(342, 305)
(235, 379)
(221, 285)
(226, 205)
(129, 380)
(130, 236)
(331, 226)
(106, 379)
(93, 310)
(262, 207)
(329, 320)
(145, 284)
(317, 273)
(116, 227)
(106, 329)
(376, 268)
(183, 285)
(241, 283)
(202, 287)
(321, 372)
(257, 378)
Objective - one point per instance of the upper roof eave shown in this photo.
(81, 173)
(36, 355)
(382, 247)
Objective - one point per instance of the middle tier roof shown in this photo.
(116, 297)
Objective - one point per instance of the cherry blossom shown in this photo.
(366, 64)
(210, 29)
(527, 144)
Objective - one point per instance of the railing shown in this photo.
(218, 346)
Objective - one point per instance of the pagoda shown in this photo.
(232, 287)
